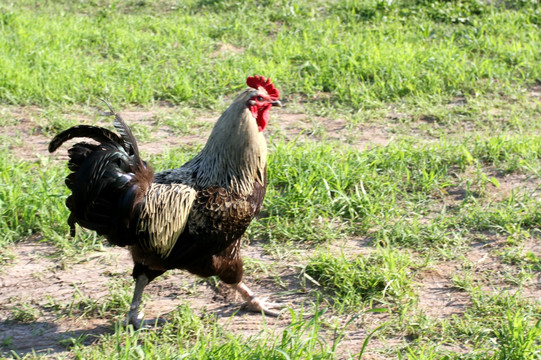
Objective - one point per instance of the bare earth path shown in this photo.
(35, 279)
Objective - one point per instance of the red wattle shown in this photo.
(261, 115)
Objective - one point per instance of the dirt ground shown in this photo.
(35, 276)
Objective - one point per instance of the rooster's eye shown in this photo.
(260, 98)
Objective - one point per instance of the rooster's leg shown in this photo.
(134, 317)
(253, 303)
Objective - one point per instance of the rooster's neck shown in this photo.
(235, 154)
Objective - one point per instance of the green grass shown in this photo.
(453, 86)
(25, 204)
(24, 312)
(141, 52)
(117, 300)
(30, 206)
(382, 279)
(202, 338)
(509, 330)
(317, 192)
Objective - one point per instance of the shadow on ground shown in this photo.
(44, 337)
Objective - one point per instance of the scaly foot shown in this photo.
(260, 305)
(135, 319)
(253, 303)
(138, 322)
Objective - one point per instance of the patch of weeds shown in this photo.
(513, 335)
(465, 281)
(317, 192)
(384, 277)
(116, 302)
(321, 192)
(518, 257)
(511, 216)
(24, 312)
(517, 338)
(492, 307)
(29, 198)
(510, 154)
(518, 277)
(439, 233)
(496, 326)
(495, 304)
(202, 337)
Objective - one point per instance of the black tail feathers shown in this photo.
(128, 140)
(108, 179)
(99, 134)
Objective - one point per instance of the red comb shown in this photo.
(259, 81)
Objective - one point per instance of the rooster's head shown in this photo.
(262, 99)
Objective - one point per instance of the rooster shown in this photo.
(191, 217)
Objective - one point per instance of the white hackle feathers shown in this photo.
(235, 155)
(164, 215)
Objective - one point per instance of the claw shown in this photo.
(255, 304)
(260, 305)
(139, 323)
(135, 319)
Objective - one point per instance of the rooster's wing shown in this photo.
(163, 216)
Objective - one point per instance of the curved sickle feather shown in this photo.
(128, 140)
(99, 134)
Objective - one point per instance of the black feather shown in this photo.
(99, 134)
(71, 223)
(98, 170)
(129, 142)
(107, 181)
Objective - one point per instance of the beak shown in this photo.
(276, 103)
